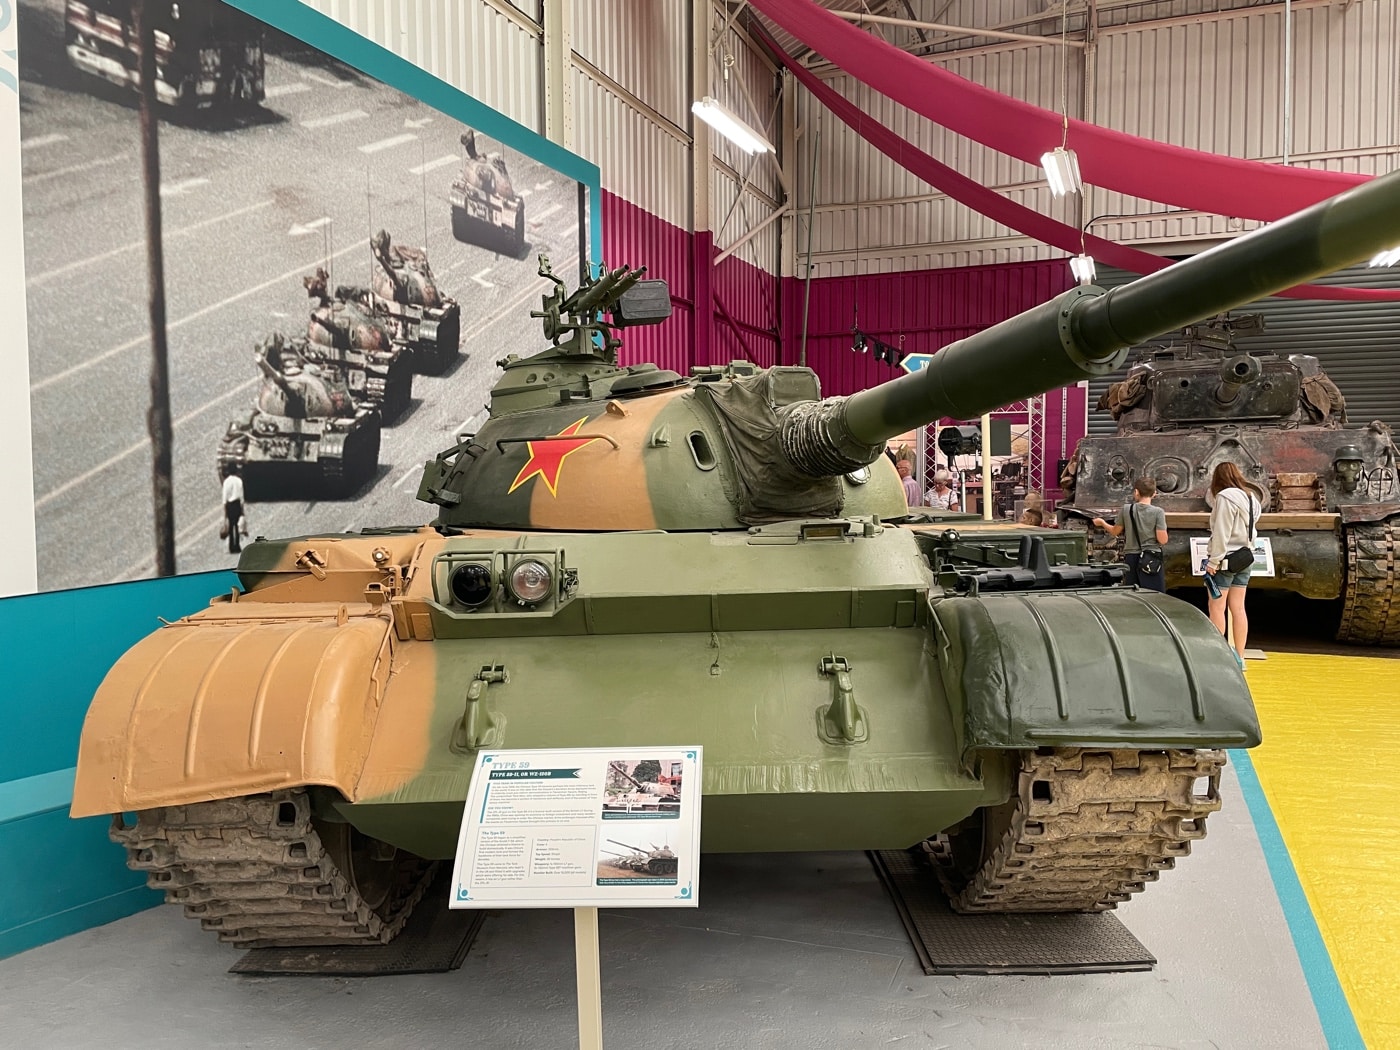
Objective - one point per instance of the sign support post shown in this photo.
(590, 979)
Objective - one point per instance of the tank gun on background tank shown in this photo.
(624, 555)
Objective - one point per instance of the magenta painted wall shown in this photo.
(740, 300)
(929, 309)
(754, 315)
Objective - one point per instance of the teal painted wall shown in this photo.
(61, 875)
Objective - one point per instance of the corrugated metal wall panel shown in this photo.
(644, 45)
(1215, 85)
(641, 161)
(1357, 344)
(470, 45)
(1355, 53)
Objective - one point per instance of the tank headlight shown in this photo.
(471, 584)
(859, 476)
(530, 582)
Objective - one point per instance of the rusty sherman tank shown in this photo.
(1330, 491)
(306, 436)
(486, 210)
(346, 339)
(623, 556)
(404, 295)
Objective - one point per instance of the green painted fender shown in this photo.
(1119, 667)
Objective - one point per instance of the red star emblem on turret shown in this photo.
(547, 457)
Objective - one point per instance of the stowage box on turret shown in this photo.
(623, 556)
(1330, 492)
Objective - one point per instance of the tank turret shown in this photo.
(1203, 379)
(744, 447)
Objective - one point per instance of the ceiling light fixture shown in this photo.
(1062, 171)
(1060, 164)
(1082, 266)
(719, 117)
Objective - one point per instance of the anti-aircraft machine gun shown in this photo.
(623, 555)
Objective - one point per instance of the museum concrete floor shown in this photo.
(1281, 930)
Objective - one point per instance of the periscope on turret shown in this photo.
(623, 555)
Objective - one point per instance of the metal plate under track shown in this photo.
(434, 940)
(1000, 943)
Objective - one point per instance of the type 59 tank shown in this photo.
(306, 435)
(345, 336)
(486, 209)
(1330, 491)
(405, 295)
(623, 556)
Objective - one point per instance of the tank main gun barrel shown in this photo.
(1086, 332)
(1234, 374)
(270, 370)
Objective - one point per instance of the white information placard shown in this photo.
(581, 828)
(1263, 556)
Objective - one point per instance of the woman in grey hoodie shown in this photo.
(1236, 510)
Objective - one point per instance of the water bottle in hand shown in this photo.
(1212, 588)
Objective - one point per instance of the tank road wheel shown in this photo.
(1084, 830)
(259, 872)
(343, 471)
(1370, 603)
(515, 239)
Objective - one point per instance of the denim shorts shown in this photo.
(1225, 578)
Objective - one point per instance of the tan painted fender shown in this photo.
(236, 700)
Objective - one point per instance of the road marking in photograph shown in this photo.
(413, 472)
(389, 143)
(433, 165)
(537, 219)
(175, 189)
(301, 229)
(544, 185)
(144, 337)
(49, 275)
(330, 82)
(294, 88)
(130, 450)
(74, 169)
(195, 530)
(480, 278)
(335, 118)
(525, 193)
(42, 140)
(421, 122)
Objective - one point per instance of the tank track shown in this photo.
(1370, 602)
(254, 871)
(1086, 830)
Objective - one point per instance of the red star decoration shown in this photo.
(547, 457)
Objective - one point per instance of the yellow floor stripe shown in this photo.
(1330, 766)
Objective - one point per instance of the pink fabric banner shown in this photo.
(1020, 218)
(1142, 167)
